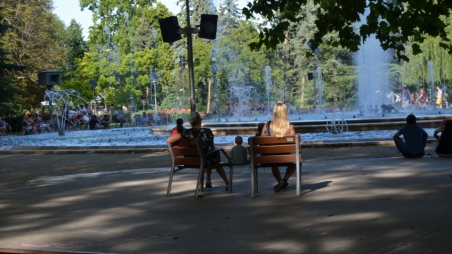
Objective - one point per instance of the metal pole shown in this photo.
(50, 109)
(49, 87)
(155, 101)
(215, 88)
(190, 59)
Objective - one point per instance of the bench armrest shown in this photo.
(222, 151)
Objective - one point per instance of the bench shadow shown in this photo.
(314, 187)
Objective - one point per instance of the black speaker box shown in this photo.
(208, 27)
(310, 76)
(170, 29)
(49, 78)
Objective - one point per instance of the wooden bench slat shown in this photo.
(272, 140)
(187, 161)
(282, 158)
(276, 149)
(186, 151)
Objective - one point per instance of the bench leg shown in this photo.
(231, 169)
(253, 181)
(298, 171)
(200, 179)
(170, 181)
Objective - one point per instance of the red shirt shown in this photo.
(174, 131)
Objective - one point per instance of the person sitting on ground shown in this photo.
(444, 148)
(179, 127)
(82, 109)
(85, 121)
(121, 118)
(208, 145)
(94, 123)
(415, 139)
(280, 127)
(2, 127)
(106, 122)
(42, 124)
(346, 108)
(27, 123)
(239, 154)
(144, 119)
(36, 126)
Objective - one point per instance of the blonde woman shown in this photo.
(280, 127)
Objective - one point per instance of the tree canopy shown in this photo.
(296, 38)
(394, 22)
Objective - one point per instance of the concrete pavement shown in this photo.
(389, 205)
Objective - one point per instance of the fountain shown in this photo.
(61, 101)
(268, 83)
(431, 81)
(243, 97)
(319, 87)
(336, 124)
(372, 62)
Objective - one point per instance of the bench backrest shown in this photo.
(267, 150)
(187, 152)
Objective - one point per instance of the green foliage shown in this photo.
(125, 46)
(31, 42)
(394, 22)
(9, 101)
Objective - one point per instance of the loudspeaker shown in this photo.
(49, 78)
(208, 27)
(170, 29)
(310, 76)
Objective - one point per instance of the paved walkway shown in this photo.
(388, 205)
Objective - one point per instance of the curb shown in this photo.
(120, 150)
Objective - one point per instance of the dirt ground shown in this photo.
(17, 169)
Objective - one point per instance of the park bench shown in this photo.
(188, 153)
(303, 111)
(268, 151)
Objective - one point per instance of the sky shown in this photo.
(70, 9)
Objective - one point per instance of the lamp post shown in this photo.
(155, 79)
(191, 67)
(182, 63)
(171, 32)
(49, 87)
(215, 94)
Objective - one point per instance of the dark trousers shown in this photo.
(400, 144)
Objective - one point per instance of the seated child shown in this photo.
(239, 154)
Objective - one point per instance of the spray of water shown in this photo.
(61, 101)
(371, 60)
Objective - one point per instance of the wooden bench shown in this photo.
(268, 151)
(303, 111)
(188, 153)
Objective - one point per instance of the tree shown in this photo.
(9, 102)
(394, 22)
(75, 45)
(30, 42)
(229, 18)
